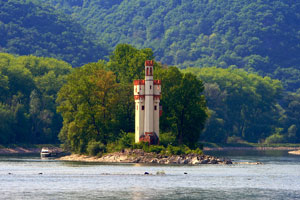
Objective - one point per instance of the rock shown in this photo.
(195, 161)
(204, 161)
(162, 161)
(186, 161)
(214, 161)
(146, 173)
(185, 173)
(228, 162)
(137, 160)
(160, 173)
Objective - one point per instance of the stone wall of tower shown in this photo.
(156, 98)
(148, 125)
(139, 97)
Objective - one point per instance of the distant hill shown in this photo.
(261, 36)
(28, 27)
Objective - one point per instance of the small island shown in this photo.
(147, 145)
(140, 156)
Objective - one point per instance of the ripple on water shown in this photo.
(274, 179)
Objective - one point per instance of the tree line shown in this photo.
(42, 99)
(28, 91)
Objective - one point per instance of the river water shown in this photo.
(32, 178)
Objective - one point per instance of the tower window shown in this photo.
(143, 107)
(150, 87)
(137, 107)
(155, 108)
(151, 71)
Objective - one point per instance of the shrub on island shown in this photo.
(167, 146)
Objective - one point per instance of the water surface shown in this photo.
(33, 178)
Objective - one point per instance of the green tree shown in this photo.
(244, 104)
(183, 104)
(128, 63)
(88, 103)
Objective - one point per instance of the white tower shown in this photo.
(147, 97)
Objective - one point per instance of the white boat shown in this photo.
(45, 152)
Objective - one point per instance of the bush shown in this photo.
(234, 139)
(141, 145)
(96, 148)
(275, 138)
(174, 150)
(126, 141)
(179, 150)
(166, 139)
(197, 151)
(156, 148)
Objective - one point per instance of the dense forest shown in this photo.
(32, 28)
(260, 36)
(242, 106)
(228, 57)
(28, 90)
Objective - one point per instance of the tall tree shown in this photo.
(184, 108)
(88, 103)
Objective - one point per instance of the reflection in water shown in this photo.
(137, 194)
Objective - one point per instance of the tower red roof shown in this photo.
(149, 63)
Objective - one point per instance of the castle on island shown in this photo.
(147, 109)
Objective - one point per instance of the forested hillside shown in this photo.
(260, 36)
(28, 27)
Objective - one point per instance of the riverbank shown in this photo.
(295, 152)
(139, 156)
(26, 150)
(19, 150)
(261, 148)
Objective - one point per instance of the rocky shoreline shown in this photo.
(139, 156)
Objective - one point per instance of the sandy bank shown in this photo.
(295, 152)
(139, 156)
